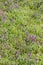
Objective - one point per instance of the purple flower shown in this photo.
(33, 38)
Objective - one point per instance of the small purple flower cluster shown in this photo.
(32, 38)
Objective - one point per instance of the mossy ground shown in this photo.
(21, 32)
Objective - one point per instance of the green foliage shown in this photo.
(21, 32)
